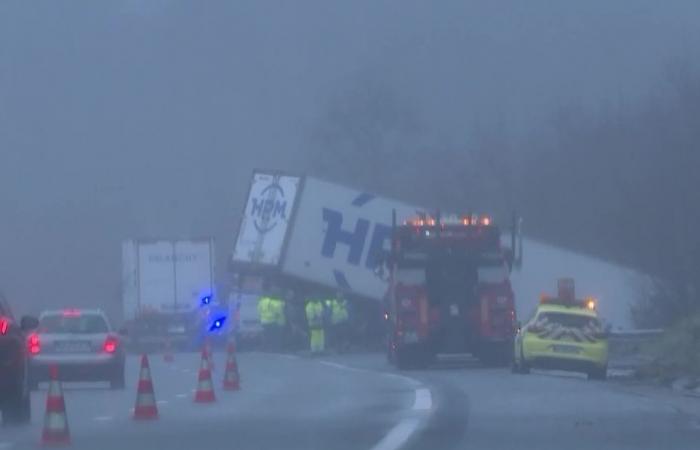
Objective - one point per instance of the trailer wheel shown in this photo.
(411, 357)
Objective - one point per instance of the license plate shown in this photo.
(558, 348)
(73, 347)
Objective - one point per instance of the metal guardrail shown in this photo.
(629, 348)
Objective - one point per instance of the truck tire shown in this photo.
(402, 358)
(497, 355)
(412, 357)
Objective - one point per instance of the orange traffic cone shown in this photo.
(146, 408)
(205, 388)
(232, 380)
(168, 354)
(56, 430)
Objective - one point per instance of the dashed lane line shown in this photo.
(399, 435)
(101, 419)
(5, 445)
(423, 401)
(342, 367)
(403, 378)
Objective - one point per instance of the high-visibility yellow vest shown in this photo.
(339, 311)
(278, 316)
(314, 313)
(265, 311)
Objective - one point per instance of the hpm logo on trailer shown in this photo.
(269, 207)
(355, 238)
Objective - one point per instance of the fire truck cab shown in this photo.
(450, 291)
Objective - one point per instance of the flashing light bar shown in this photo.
(587, 303)
(473, 220)
(591, 303)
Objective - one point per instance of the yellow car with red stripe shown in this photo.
(563, 336)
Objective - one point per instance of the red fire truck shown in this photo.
(450, 291)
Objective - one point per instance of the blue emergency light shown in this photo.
(206, 300)
(218, 323)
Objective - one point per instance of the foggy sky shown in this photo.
(145, 118)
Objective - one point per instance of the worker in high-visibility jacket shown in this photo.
(277, 306)
(267, 320)
(278, 316)
(315, 317)
(339, 323)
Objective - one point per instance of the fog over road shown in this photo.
(359, 402)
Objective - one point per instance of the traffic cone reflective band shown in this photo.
(205, 388)
(55, 421)
(145, 408)
(168, 355)
(232, 380)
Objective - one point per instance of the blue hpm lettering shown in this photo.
(355, 239)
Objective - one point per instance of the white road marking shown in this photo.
(398, 435)
(162, 402)
(103, 418)
(402, 432)
(402, 378)
(423, 401)
(342, 367)
(332, 364)
(4, 445)
(182, 395)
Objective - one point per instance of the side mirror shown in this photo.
(29, 323)
(509, 257)
(123, 331)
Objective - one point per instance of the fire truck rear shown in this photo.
(450, 291)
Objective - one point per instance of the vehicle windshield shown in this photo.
(82, 324)
(568, 320)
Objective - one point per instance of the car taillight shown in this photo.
(4, 325)
(33, 344)
(110, 345)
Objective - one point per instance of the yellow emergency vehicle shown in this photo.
(563, 334)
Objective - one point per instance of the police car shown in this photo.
(563, 334)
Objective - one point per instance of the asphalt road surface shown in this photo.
(359, 402)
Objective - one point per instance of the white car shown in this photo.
(80, 344)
